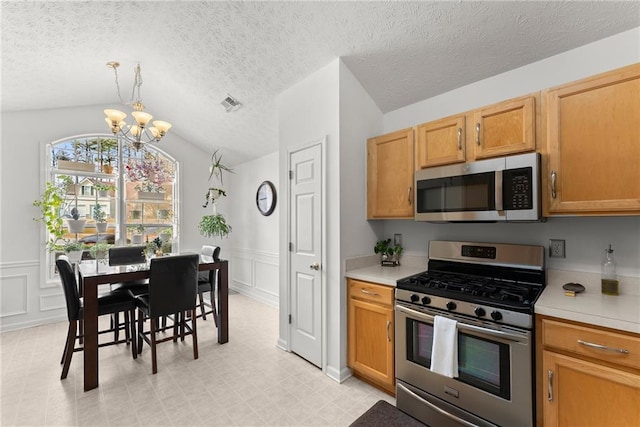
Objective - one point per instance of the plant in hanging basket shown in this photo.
(214, 225)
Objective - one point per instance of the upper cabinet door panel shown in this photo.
(505, 128)
(441, 142)
(390, 175)
(593, 140)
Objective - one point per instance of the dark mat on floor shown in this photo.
(383, 414)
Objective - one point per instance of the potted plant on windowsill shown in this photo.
(215, 225)
(150, 175)
(389, 254)
(75, 224)
(100, 217)
(74, 250)
(100, 250)
(103, 188)
(137, 234)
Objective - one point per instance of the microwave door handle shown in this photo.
(498, 191)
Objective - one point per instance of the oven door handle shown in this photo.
(461, 326)
(441, 411)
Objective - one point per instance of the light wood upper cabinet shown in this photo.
(504, 128)
(441, 142)
(593, 145)
(508, 127)
(584, 378)
(370, 333)
(390, 175)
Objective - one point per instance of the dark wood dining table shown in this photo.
(92, 273)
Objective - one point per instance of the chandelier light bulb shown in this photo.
(142, 118)
(162, 126)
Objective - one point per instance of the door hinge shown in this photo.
(289, 319)
(290, 247)
(290, 174)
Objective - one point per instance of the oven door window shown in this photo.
(482, 363)
(457, 194)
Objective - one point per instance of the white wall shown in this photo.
(307, 112)
(26, 299)
(586, 238)
(254, 239)
(360, 118)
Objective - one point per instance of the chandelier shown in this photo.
(139, 133)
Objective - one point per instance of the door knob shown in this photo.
(315, 266)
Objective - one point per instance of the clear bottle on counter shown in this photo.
(609, 278)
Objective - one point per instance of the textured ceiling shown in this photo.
(193, 53)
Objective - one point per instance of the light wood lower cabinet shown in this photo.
(370, 333)
(588, 376)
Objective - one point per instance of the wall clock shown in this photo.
(266, 198)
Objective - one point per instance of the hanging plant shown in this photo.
(51, 203)
(215, 225)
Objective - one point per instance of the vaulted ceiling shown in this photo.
(193, 54)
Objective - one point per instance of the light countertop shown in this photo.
(383, 275)
(591, 306)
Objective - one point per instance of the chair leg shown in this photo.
(68, 352)
(202, 308)
(183, 321)
(140, 331)
(132, 333)
(176, 325)
(115, 319)
(154, 361)
(213, 307)
(194, 334)
(66, 340)
(127, 336)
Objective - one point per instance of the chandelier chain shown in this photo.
(115, 71)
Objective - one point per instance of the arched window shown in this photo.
(112, 193)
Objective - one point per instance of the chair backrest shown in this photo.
(173, 284)
(124, 255)
(212, 251)
(69, 286)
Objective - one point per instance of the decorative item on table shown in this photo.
(154, 248)
(139, 133)
(215, 225)
(100, 251)
(389, 253)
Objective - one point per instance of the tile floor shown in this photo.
(246, 382)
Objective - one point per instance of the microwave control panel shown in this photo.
(517, 189)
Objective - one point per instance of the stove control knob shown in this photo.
(426, 300)
(496, 315)
(414, 298)
(451, 306)
(479, 311)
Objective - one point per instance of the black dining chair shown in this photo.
(108, 303)
(173, 285)
(207, 281)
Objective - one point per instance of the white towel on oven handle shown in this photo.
(444, 354)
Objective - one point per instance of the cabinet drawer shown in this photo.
(596, 343)
(366, 291)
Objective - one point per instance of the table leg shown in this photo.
(90, 320)
(223, 303)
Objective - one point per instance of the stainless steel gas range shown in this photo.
(489, 290)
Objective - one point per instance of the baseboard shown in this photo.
(338, 375)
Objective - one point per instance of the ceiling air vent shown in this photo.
(230, 104)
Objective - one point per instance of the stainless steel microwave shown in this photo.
(500, 189)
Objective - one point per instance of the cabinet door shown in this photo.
(581, 393)
(505, 128)
(593, 141)
(390, 175)
(441, 142)
(370, 342)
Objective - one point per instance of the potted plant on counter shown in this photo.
(389, 254)
(215, 225)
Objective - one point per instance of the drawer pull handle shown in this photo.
(550, 385)
(364, 291)
(603, 347)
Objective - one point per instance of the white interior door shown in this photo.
(305, 251)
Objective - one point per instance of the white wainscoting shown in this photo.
(255, 274)
(24, 300)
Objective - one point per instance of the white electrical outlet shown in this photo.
(556, 248)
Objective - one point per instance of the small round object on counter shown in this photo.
(573, 287)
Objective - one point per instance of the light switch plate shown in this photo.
(556, 248)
